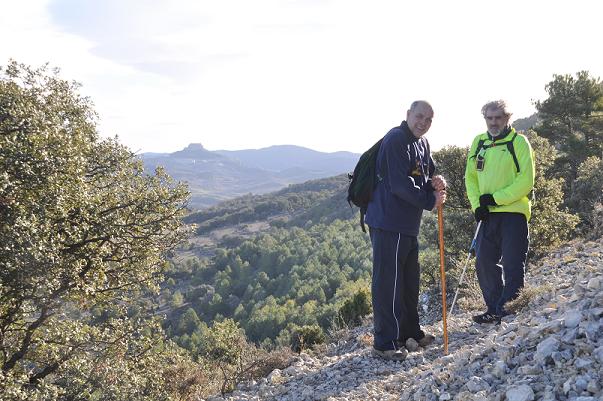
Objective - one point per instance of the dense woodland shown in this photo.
(105, 293)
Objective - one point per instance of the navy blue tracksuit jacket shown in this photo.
(404, 169)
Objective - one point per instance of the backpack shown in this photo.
(363, 181)
(510, 148)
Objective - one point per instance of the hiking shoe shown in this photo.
(396, 355)
(411, 345)
(486, 318)
(426, 340)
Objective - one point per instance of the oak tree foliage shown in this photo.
(82, 229)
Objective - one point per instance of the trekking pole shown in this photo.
(471, 248)
(443, 276)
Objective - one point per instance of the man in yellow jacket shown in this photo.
(499, 176)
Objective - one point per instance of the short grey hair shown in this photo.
(497, 105)
(414, 104)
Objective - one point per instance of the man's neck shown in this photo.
(500, 134)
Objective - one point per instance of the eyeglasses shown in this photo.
(491, 118)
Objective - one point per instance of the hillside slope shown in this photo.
(550, 350)
(321, 199)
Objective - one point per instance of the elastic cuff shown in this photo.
(430, 200)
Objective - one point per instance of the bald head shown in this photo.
(419, 117)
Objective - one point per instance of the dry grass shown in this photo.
(262, 362)
(366, 339)
(526, 295)
(470, 296)
(318, 349)
(471, 299)
(188, 381)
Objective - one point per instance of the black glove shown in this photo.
(487, 200)
(481, 213)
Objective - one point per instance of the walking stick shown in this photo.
(471, 248)
(443, 277)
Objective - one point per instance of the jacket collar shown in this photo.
(407, 132)
(503, 135)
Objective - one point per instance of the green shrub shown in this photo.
(354, 309)
(306, 337)
(587, 197)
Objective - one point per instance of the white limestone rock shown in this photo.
(546, 348)
(476, 384)
(520, 393)
(594, 283)
(572, 319)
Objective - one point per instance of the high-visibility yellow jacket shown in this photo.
(499, 175)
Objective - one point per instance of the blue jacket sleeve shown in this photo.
(397, 160)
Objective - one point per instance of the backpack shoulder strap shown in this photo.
(480, 144)
(510, 148)
(512, 151)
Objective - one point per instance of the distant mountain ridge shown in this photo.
(274, 158)
(215, 176)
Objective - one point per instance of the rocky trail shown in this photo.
(550, 350)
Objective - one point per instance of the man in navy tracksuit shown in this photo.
(406, 186)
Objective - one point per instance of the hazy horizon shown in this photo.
(328, 75)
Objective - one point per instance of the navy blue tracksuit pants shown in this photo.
(501, 249)
(395, 288)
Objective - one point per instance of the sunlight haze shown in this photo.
(327, 75)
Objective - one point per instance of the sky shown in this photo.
(329, 75)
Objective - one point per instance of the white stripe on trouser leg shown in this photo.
(394, 297)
